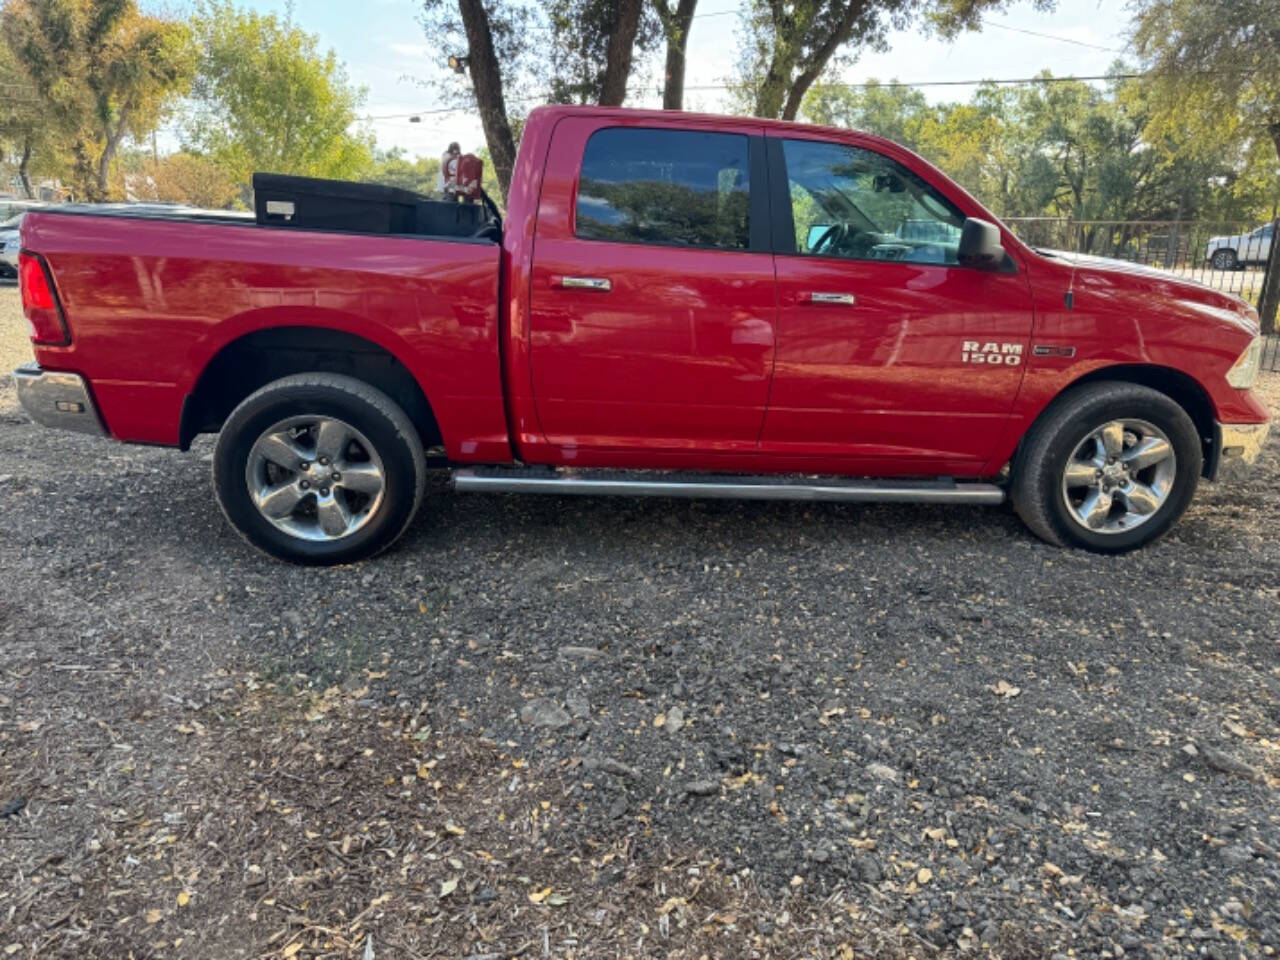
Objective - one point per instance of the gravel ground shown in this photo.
(555, 727)
(14, 347)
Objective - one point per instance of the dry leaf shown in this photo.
(154, 916)
(1005, 689)
(291, 950)
(184, 898)
(924, 876)
(447, 887)
(537, 896)
(457, 831)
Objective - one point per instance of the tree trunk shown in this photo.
(24, 168)
(486, 82)
(676, 25)
(618, 54)
(799, 87)
(1274, 130)
(773, 89)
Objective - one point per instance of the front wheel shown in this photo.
(319, 469)
(1109, 467)
(1224, 260)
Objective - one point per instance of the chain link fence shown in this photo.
(1234, 257)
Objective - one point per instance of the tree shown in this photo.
(393, 168)
(1213, 64)
(267, 99)
(181, 177)
(21, 125)
(575, 51)
(676, 24)
(790, 43)
(102, 70)
(593, 45)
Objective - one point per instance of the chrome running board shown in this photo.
(722, 487)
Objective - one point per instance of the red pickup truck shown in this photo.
(676, 305)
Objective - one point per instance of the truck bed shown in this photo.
(152, 296)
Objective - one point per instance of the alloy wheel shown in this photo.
(1119, 476)
(315, 478)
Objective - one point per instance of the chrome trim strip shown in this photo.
(58, 400)
(746, 488)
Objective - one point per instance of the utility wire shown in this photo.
(851, 86)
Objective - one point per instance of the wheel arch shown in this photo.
(253, 359)
(1178, 386)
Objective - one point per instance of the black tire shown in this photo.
(1037, 489)
(1224, 260)
(323, 395)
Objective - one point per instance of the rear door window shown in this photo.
(669, 187)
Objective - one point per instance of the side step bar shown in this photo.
(723, 487)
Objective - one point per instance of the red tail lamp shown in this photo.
(39, 302)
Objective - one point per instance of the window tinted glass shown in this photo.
(855, 203)
(665, 186)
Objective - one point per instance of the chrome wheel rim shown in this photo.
(315, 478)
(1119, 476)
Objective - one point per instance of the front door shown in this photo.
(652, 309)
(888, 350)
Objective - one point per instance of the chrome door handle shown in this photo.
(841, 299)
(603, 284)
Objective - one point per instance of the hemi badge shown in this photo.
(1048, 350)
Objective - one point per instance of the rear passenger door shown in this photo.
(651, 324)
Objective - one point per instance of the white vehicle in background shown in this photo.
(9, 247)
(1242, 249)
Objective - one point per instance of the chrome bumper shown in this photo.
(1238, 446)
(57, 399)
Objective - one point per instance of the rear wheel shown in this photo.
(319, 469)
(1109, 467)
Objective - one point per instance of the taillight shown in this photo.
(39, 302)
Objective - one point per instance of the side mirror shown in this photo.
(980, 244)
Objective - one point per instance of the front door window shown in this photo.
(856, 204)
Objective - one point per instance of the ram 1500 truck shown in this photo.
(675, 305)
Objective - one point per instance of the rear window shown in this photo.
(671, 187)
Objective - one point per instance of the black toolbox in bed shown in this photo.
(309, 203)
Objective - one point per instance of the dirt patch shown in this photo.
(15, 347)
(789, 730)
(301, 826)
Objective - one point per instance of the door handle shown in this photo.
(602, 284)
(828, 298)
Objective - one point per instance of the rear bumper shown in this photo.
(59, 400)
(1237, 446)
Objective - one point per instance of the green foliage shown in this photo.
(101, 70)
(1061, 150)
(579, 45)
(393, 168)
(1214, 77)
(267, 99)
(787, 45)
(181, 177)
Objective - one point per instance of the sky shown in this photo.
(385, 50)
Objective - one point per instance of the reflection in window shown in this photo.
(676, 187)
(856, 203)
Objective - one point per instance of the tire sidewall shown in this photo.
(259, 413)
(1155, 409)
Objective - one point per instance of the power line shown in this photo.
(1050, 36)
(852, 86)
